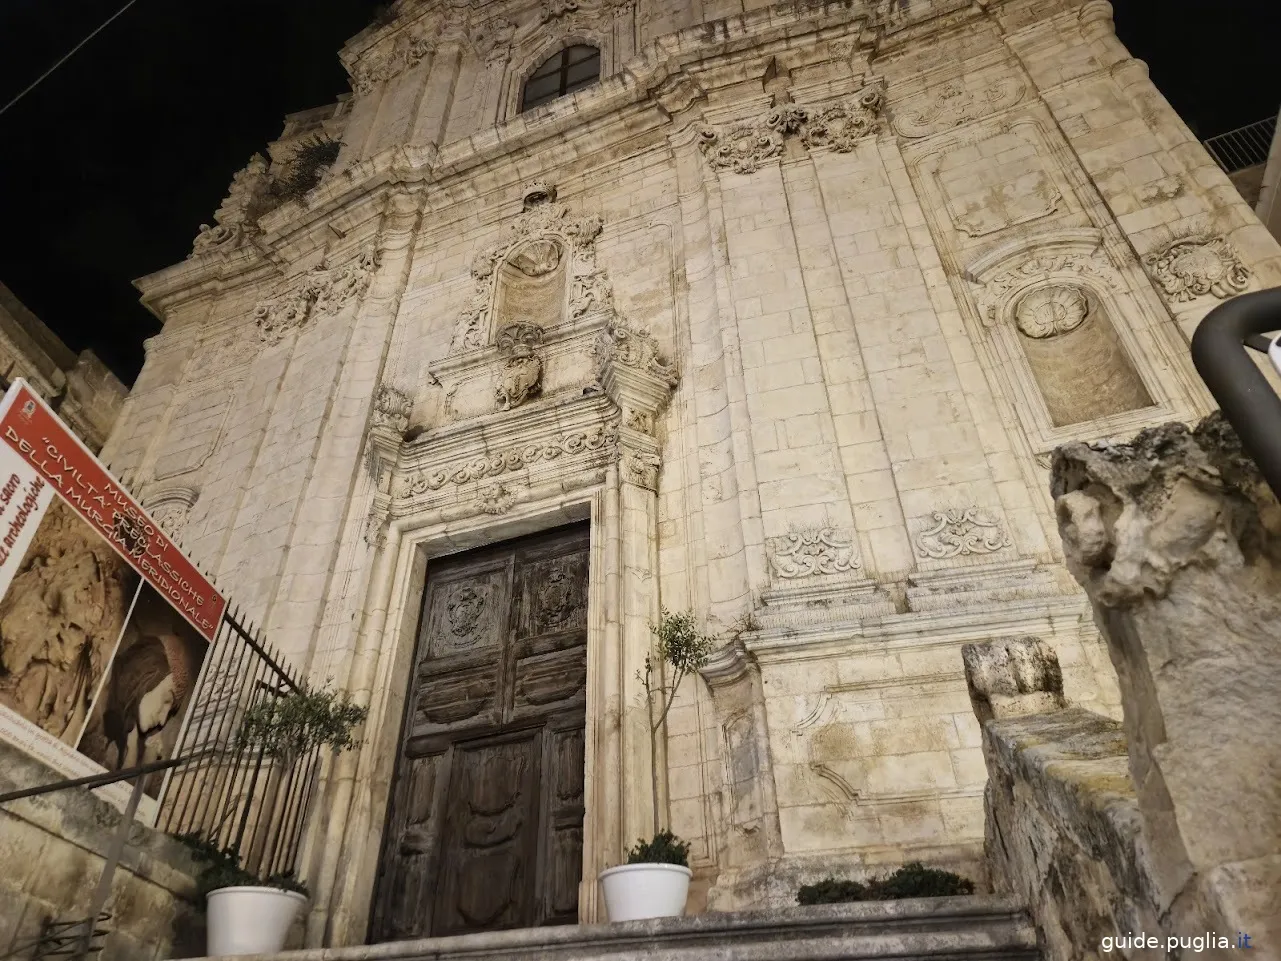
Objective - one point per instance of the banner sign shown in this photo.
(31, 430)
(104, 622)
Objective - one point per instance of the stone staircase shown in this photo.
(939, 929)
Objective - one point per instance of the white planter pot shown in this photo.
(636, 891)
(250, 920)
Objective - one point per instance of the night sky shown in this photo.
(108, 168)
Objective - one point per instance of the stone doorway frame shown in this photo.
(606, 473)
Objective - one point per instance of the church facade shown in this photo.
(575, 311)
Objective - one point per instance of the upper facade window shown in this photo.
(564, 72)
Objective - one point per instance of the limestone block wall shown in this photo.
(817, 290)
(53, 848)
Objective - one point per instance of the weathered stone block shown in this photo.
(1012, 676)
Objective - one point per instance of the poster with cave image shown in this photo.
(104, 622)
(137, 716)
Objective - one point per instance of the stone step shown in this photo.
(973, 928)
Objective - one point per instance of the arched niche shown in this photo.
(1077, 360)
(531, 284)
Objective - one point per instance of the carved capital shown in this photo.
(391, 409)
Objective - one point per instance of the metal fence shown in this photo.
(1244, 147)
(233, 793)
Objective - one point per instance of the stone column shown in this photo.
(1177, 542)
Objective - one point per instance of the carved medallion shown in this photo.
(1194, 267)
(463, 611)
(557, 590)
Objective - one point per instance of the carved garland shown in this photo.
(744, 147)
(601, 437)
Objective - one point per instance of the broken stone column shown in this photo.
(1012, 676)
(1177, 541)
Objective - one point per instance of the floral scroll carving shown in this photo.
(602, 437)
(1196, 266)
(811, 552)
(744, 147)
(957, 532)
(521, 376)
(622, 344)
(323, 291)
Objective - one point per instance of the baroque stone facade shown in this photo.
(792, 307)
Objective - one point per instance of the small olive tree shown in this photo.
(684, 649)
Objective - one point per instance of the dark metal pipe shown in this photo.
(1248, 401)
(93, 780)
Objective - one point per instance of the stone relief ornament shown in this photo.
(811, 552)
(496, 499)
(1196, 266)
(1038, 267)
(551, 225)
(392, 408)
(1050, 311)
(641, 421)
(960, 532)
(842, 125)
(522, 374)
(744, 147)
(601, 437)
(954, 105)
(236, 218)
(171, 508)
(323, 291)
(1008, 205)
(643, 467)
(631, 347)
(387, 60)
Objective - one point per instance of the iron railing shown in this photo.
(234, 794)
(1246, 398)
(224, 790)
(1244, 147)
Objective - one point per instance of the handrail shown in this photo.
(1246, 398)
(93, 780)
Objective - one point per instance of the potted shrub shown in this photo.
(654, 882)
(246, 914)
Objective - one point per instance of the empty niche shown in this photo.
(531, 285)
(1078, 361)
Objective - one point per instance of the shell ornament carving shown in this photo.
(1051, 311)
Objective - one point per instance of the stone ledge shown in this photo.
(978, 926)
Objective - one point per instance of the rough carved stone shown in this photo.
(1012, 676)
(235, 220)
(521, 376)
(392, 408)
(809, 553)
(323, 291)
(957, 532)
(744, 147)
(953, 105)
(1177, 542)
(1049, 311)
(514, 458)
(623, 344)
(1194, 267)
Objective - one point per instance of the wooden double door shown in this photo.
(485, 825)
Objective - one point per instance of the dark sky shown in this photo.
(109, 167)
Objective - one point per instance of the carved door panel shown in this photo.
(484, 828)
